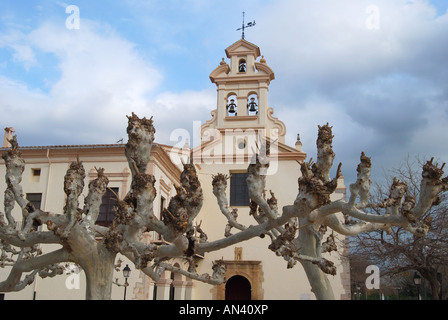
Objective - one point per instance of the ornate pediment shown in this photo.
(243, 47)
(239, 146)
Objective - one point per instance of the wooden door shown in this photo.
(238, 288)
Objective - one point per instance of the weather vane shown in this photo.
(249, 24)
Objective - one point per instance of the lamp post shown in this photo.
(417, 282)
(126, 275)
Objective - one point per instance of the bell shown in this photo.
(231, 106)
(252, 105)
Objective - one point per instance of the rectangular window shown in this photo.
(35, 174)
(239, 192)
(107, 211)
(154, 292)
(35, 199)
(162, 206)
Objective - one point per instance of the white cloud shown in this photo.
(326, 43)
(22, 54)
(102, 80)
(25, 55)
(384, 91)
(380, 87)
(173, 111)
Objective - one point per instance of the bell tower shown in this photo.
(242, 91)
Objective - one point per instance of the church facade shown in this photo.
(239, 125)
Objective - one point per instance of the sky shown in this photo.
(375, 70)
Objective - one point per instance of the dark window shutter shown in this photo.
(239, 193)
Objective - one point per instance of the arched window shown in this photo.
(242, 66)
(252, 105)
(232, 108)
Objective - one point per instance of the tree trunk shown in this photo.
(320, 285)
(96, 261)
(318, 280)
(435, 285)
(430, 274)
(99, 272)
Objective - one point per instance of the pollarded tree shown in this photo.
(297, 232)
(398, 251)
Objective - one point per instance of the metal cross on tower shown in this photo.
(248, 25)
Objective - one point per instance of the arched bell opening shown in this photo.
(242, 66)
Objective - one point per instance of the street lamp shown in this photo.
(126, 275)
(417, 282)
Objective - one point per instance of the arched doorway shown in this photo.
(238, 288)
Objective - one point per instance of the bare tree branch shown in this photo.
(300, 232)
